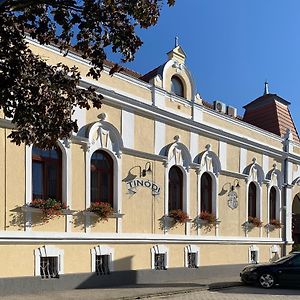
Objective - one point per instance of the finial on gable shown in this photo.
(176, 41)
(177, 53)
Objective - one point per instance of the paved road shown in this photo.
(239, 293)
(233, 293)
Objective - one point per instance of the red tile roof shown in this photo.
(271, 112)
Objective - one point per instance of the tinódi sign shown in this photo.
(134, 184)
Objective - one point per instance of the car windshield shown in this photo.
(285, 258)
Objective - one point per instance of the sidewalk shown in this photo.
(138, 291)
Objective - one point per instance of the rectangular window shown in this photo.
(254, 257)
(192, 260)
(49, 267)
(160, 261)
(102, 264)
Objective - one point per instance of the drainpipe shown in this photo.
(287, 191)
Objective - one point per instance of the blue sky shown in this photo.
(232, 47)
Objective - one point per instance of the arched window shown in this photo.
(252, 200)
(273, 196)
(206, 193)
(175, 188)
(177, 86)
(46, 173)
(101, 177)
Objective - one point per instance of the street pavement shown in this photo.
(216, 288)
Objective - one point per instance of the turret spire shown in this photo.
(266, 88)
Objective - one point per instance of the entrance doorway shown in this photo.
(296, 219)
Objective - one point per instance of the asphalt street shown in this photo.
(199, 293)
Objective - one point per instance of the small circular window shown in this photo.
(176, 86)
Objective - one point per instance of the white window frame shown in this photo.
(102, 250)
(191, 249)
(159, 249)
(48, 251)
(251, 249)
(278, 202)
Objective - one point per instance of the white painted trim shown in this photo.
(48, 251)
(159, 249)
(160, 136)
(21, 237)
(265, 163)
(128, 128)
(191, 249)
(102, 250)
(66, 181)
(223, 154)
(243, 159)
(117, 183)
(288, 213)
(258, 202)
(194, 144)
(228, 136)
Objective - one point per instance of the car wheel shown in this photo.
(266, 280)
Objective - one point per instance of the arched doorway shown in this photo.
(296, 219)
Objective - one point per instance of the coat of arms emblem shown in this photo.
(233, 199)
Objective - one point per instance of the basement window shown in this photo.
(102, 264)
(49, 267)
(160, 261)
(192, 260)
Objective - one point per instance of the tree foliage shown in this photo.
(40, 98)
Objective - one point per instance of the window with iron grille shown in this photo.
(49, 267)
(102, 264)
(160, 261)
(254, 256)
(192, 260)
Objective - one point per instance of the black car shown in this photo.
(285, 271)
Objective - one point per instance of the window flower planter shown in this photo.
(102, 210)
(254, 222)
(178, 216)
(49, 208)
(206, 218)
(274, 224)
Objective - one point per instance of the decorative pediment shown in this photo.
(178, 154)
(275, 177)
(209, 161)
(103, 135)
(254, 172)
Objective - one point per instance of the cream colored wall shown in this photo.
(2, 177)
(138, 208)
(231, 219)
(113, 115)
(114, 82)
(233, 158)
(144, 134)
(177, 106)
(15, 185)
(172, 131)
(256, 155)
(240, 130)
(126, 256)
(204, 141)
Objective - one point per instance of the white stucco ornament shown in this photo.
(233, 200)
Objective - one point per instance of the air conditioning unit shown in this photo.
(231, 111)
(220, 106)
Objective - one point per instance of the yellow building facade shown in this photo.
(168, 150)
